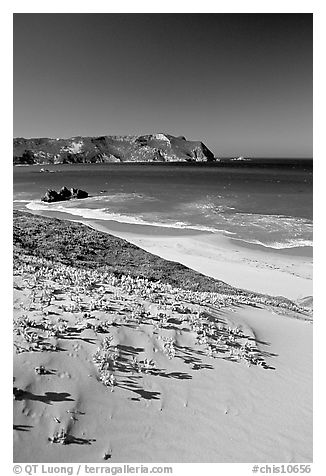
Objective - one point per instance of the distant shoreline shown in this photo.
(221, 162)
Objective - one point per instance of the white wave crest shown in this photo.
(279, 245)
(103, 214)
(120, 197)
(286, 231)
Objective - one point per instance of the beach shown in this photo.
(111, 367)
(275, 272)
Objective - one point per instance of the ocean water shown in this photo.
(267, 204)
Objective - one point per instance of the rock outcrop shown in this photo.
(105, 149)
(77, 193)
(64, 194)
(51, 196)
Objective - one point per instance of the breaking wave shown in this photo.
(270, 231)
(279, 245)
(105, 214)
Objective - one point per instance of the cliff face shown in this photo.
(146, 148)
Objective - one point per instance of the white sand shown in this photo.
(198, 409)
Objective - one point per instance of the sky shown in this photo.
(241, 83)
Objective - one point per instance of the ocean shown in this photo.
(266, 203)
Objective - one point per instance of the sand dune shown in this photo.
(192, 381)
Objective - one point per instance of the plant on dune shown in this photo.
(201, 339)
(105, 358)
(31, 338)
(30, 283)
(196, 327)
(97, 327)
(45, 346)
(138, 312)
(107, 342)
(57, 330)
(41, 370)
(237, 331)
(168, 347)
(181, 309)
(60, 437)
(46, 298)
(135, 365)
(163, 319)
(115, 354)
(93, 306)
(147, 366)
(72, 307)
(109, 380)
(211, 351)
(231, 339)
(22, 323)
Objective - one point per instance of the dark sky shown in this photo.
(241, 83)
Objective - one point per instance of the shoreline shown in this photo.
(123, 223)
(216, 256)
(303, 251)
(248, 266)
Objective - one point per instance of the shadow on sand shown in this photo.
(48, 397)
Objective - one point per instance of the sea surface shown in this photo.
(268, 203)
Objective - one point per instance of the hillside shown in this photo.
(103, 149)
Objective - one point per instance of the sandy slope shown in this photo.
(274, 273)
(188, 408)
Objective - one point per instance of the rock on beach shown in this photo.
(64, 194)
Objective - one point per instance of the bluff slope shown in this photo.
(145, 148)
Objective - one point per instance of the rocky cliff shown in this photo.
(146, 148)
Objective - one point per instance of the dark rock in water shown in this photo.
(78, 193)
(51, 196)
(65, 194)
(81, 194)
(48, 171)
